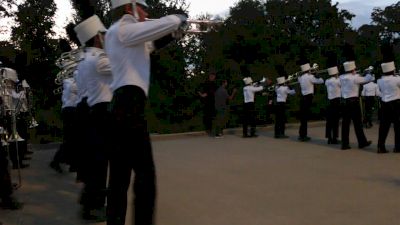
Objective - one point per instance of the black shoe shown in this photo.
(11, 204)
(56, 166)
(345, 147)
(245, 136)
(254, 135)
(98, 215)
(335, 141)
(304, 139)
(381, 150)
(396, 151)
(366, 144)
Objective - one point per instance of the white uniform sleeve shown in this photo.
(377, 91)
(132, 32)
(256, 89)
(291, 91)
(317, 81)
(103, 65)
(363, 80)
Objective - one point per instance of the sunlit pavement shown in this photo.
(238, 181)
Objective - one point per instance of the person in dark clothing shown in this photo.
(221, 107)
(6, 189)
(208, 94)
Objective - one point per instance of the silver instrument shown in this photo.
(198, 26)
(67, 62)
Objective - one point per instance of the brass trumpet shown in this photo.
(199, 24)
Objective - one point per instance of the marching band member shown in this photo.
(307, 81)
(282, 91)
(68, 112)
(389, 86)
(127, 46)
(369, 92)
(332, 119)
(249, 115)
(96, 71)
(11, 100)
(350, 83)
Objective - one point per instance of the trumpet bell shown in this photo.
(15, 137)
(33, 123)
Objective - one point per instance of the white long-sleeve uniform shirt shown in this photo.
(307, 82)
(370, 89)
(80, 84)
(389, 87)
(249, 91)
(333, 88)
(282, 92)
(125, 45)
(350, 84)
(70, 93)
(96, 70)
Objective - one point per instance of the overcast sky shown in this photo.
(361, 8)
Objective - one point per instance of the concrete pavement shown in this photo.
(237, 181)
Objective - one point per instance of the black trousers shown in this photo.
(209, 115)
(65, 153)
(305, 105)
(352, 112)
(132, 151)
(369, 103)
(390, 114)
(249, 118)
(280, 118)
(5, 179)
(81, 155)
(332, 119)
(94, 192)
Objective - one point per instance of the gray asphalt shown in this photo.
(237, 181)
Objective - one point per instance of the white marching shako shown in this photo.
(305, 67)
(349, 66)
(388, 67)
(118, 3)
(89, 28)
(333, 71)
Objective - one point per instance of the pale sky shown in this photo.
(361, 8)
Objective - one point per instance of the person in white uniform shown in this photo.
(333, 111)
(350, 84)
(68, 110)
(249, 113)
(96, 71)
(389, 86)
(282, 91)
(307, 81)
(369, 93)
(128, 44)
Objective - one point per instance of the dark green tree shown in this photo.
(33, 33)
(388, 21)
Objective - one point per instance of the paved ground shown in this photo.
(236, 181)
